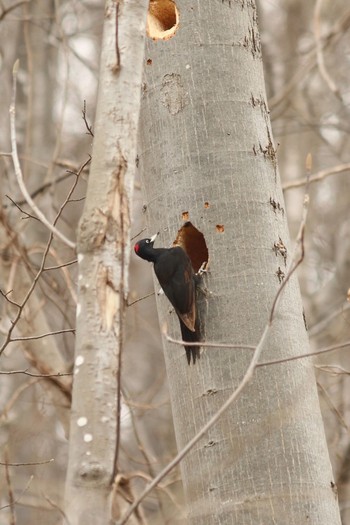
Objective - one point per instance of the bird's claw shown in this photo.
(203, 269)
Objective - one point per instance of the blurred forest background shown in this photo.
(306, 53)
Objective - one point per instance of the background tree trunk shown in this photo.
(103, 255)
(206, 154)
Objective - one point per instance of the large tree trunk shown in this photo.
(206, 154)
(103, 255)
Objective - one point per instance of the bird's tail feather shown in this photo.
(192, 352)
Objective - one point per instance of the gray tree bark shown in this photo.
(206, 154)
(103, 255)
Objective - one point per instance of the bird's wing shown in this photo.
(189, 315)
(175, 275)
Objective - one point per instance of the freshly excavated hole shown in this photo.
(193, 242)
(162, 19)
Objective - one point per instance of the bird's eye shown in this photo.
(147, 241)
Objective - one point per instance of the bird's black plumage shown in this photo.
(175, 274)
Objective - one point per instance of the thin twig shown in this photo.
(5, 296)
(27, 464)
(134, 237)
(207, 344)
(141, 299)
(71, 170)
(41, 336)
(87, 125)
(333, 370)
(28, 215)
(320, 175)
(332, 407)
(303, 356)
(163, 488)
(20, 496)
(9, 489)
(77, 200)
(16, 394)
(66, 275)
(12, 7)
(251, 347)
(31, 374)
(59, 266)
(57, 507)
(46, 185)
(321, 325)
(319, 52)
(148, 461)
(18, 170)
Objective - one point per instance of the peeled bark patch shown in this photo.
(173, 95)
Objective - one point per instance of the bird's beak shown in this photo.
(154, 237)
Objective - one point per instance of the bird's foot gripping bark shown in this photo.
(203, 269)
(198, 278)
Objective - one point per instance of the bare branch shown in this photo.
(141, 299)
(319, 52)
(334, 370)
(5, 296)
(87, 125)
(59, 266)
(309, 354)
(207, 344)
(57, 507)
(12, 8)
(28, 215)
(22, 388)
(18, 170)
(332, 407)
(320, 175)
(41, 336)
(31, 374)
(28, 464)
(9, 489)
(20, 496)
(134, 236)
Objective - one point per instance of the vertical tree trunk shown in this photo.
(206, 154)
(103, 254)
